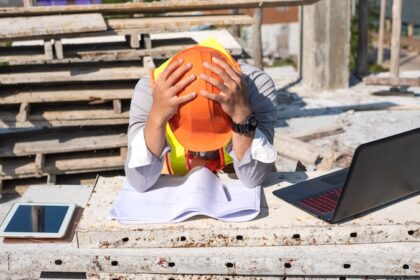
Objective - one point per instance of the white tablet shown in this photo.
(37, 220)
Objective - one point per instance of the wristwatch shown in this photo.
(249, 125)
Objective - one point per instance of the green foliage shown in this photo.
(289, 61)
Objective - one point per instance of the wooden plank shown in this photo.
(62, 140)
(178, 23)
(129, 26)
(392, 81)
(279, 224)
(154, 7)
(74, 74)
(65, 93)
(304, 152)
(72, 163)
(320, 132)
(76, 116)
(22, 27)
(395, 40)
(78, 54)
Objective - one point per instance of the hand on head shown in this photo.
(167, 87)
(233, 91)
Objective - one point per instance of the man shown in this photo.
(177, 110)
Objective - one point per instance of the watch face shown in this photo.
(252, 121)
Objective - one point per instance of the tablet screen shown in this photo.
(37, 218)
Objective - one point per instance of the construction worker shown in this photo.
(201, 108)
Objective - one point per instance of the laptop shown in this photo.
(381, 172)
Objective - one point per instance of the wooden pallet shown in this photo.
(54, 115)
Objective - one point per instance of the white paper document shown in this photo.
(174, 199)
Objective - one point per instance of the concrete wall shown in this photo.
(326, 44)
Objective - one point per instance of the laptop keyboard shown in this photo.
(336, 179)
(323, 203)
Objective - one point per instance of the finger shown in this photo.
(219, 72)
(178, 73)
(186, 98)
(228, 69)
(215, 97)
(178, 87)
(215, 82)
(171, 68)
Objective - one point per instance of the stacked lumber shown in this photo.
(65, 93)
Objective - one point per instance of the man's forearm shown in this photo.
(154, 136)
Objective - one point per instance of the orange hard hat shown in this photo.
(201, 125)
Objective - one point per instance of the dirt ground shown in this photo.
(363, 116)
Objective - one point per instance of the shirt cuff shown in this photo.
(140, 154)
(260, 150)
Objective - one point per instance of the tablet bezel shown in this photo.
(61, 232)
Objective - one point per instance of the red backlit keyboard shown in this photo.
(323, 203)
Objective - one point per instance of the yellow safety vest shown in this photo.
(177, 161)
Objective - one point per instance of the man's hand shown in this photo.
(233, 96)
(165, 103)
(165, 92)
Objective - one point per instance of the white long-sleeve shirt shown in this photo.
(143, 169)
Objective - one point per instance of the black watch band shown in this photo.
(249, 125)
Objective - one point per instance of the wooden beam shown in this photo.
(380, 58)
(76, 116)
(392, 81)
(257, 38)
(21, 27)
(304, 152)
(178, 23)
(75, 55)
(146, 41)
(24, 111)
(117, 106)
(362, 43)
(395, 41)
(48, 50)
(154, 7)
(134, 40)
(65, 93)
(75, 74)
(68, 164)
(51, 179)
(63, 140)
(39, 162)
(123, 152)
(320, 132)
(58, 47)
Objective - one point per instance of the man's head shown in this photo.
(201, 125)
